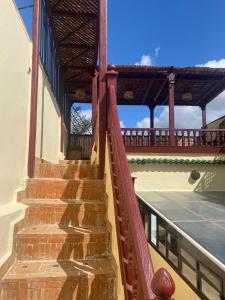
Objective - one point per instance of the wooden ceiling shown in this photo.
(75, 26)
(149, 85)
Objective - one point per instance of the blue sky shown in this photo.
(174, 32)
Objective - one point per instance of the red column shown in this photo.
(102, 84)
(95, 109)
(171, 108)
(152, 125)
(34, 88)
(204, 122)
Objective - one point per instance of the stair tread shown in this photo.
(54, 229)
(51, 179)
(58, 269)
(43, 201)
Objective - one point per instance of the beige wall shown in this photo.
(15, 62)
(183, 291)
(176, 177)
(15, 78)
(48, 122)
(112, 226)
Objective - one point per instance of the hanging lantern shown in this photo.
(187, 97)
(128, 95)
(80, 94)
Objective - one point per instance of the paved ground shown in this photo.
(200, 215)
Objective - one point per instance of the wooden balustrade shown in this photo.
(137, 271)
(160, 137)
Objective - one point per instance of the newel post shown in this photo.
(163, 285)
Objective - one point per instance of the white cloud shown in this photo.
(145, 123)
(214, 64)
(146, 60)
(122, 125)
(157, 49)
(86, 113)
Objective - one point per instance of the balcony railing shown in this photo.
(195, 139)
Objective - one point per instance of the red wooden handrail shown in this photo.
(135, 260)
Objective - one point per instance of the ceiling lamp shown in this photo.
(128, 95)
(80, 93)
(187, 97)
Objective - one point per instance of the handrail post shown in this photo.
(163, 285)
(112, 76)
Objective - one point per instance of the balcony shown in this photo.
(165, 140)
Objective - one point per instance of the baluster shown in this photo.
(163, 285)
(182, 138)
(217, 138)
(155, 138)
(167, 137)
(194, 137)
(176, 133)
(160, 137)
(149, 138)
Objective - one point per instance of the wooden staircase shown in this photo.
(63, 251)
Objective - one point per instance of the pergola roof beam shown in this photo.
(73, 14)
(160, 91)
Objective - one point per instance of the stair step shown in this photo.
(52, 242)
(89, 280)
(74, 162)
(67, 171)
(65, 212)
(92, 189)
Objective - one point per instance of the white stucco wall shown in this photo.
(176, 177)
(48, 121)
(15, 63)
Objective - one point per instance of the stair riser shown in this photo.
(60, 189)
(61, 247)
(98, 288)
(66, 172)
(95, 288)
(67, 215)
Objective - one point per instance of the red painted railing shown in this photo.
(143, 137)
(137, 271)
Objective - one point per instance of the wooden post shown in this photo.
(34, 88)
(63, 101)
(94, 101)
(204, 122)
(152, 108)
(102, 85)
(163, 285)
(171, 78)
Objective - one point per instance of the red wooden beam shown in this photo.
(34, 88)
(102, 84)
